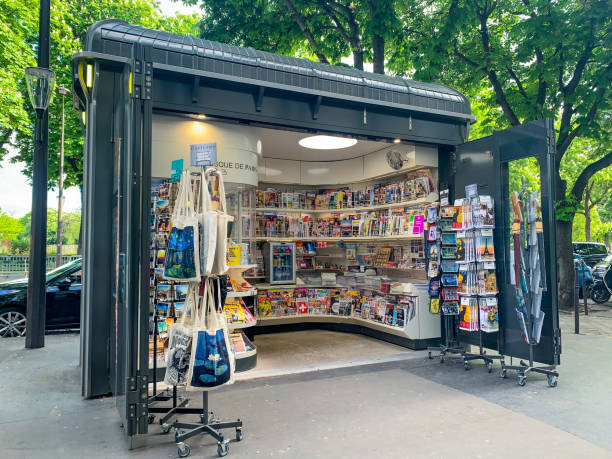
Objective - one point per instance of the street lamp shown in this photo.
(62, 91)
(40, 81)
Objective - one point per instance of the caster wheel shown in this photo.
(442, 360)
(183, 450)
(502, 374)
(489, 367)
(239, 436)
(429, 355)
(522, 380)
(203, 418)
(552, 381)
(177, 433)
(222, 449)
(165, 428)
(151, 418)
(466, 365)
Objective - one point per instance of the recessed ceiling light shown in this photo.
(326, 142)
(397, 140)
(202, 117)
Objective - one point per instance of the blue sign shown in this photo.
(204, 154)
(177, 167)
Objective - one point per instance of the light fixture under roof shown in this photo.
(326, 142)
(201, 116)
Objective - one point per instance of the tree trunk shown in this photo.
(358, 59)
(378, 51)
(565, 265)
(587, 213)
(607, 241)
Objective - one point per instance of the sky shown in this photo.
(169, 8)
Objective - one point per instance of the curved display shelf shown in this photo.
(242, 267)
(241, 325)
(241, 294)
(400, 237)
(432, 197)
(246, 355)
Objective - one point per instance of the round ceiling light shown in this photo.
(326, 142)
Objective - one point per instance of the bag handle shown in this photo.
(189, 302)
(205, 204)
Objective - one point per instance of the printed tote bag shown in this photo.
(182, 253)
(208, 229)
(179, 343)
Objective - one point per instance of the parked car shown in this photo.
(591, 252)
(588, 276)
(63, 301)
(600, 268)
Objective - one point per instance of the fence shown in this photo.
(20, 263)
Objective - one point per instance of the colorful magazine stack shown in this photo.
(393, 310)
(412, 187)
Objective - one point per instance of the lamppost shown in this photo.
(63, 91)
(40, 81)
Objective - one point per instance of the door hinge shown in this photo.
(136, 396)
(142, 80)
(557, 342)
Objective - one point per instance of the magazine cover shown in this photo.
(264, 307)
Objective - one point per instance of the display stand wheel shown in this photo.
(151, 418)
(183, 449)
(552, 380)
(222, 449)
(522, 380)
(429, 355)
(239, 436)
(489, 367)
(166, 427)
(442, 360)
(466, 365)
(502, 373)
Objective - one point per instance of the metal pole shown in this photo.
(584, 290)
(35, 314)
(576, 311)
(60, 195)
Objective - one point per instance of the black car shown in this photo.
(63, 301)
(591, 252)
(600, 268)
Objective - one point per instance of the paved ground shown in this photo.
(597, 323)
(409, 408)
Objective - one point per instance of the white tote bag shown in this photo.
(208, 229)
(182, 253)
(212, 359)
(220, 264)
(179, 343)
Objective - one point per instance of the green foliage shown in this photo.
(70, 20)
(10, 228)
(19, 246)
(566, 209)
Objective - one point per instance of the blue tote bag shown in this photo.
(212, 360)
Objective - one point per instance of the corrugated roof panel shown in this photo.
(185, 52)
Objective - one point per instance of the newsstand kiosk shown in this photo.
(145, 96)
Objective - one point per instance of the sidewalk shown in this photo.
(412, 408)
(597, 323)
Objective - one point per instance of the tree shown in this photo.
(525, 60)
(10, 228)
(69, 23)
(323, 29)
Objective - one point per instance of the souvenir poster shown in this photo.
(484, 213)
(432, 233)
(445, 225)
(432, 214)
(487, 279)
(434, 251)
(461, 241)
(485, 250)
(161, 257)
(433, 269)
(178, 308)
(162, 309)
(434, 287)
(180, 292)
(450, 280)
(448, 238)
(489, 317)
(449, 266)
(448, 252)
(164, 292)
(450, 308)
(434, 305)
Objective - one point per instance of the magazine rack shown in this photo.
(451, 343)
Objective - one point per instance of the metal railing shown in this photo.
(20, 263)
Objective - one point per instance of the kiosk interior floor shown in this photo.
(355, 204)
